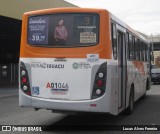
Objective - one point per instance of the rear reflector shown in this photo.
(93, 105)
(28, 92)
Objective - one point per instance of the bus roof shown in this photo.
(66, 9)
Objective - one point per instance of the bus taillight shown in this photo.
(24, 79)
(99, 83)
(99, 86)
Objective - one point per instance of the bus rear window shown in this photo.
(63, 30)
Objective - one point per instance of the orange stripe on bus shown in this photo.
(140, 66)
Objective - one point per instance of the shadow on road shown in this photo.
(142, 115)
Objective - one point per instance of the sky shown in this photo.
(141, 15)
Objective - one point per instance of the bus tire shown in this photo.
(130, 107)
(147, 85)
(147, 88)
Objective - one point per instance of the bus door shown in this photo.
(122, 61)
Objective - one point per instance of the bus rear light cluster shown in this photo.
(24, 79)
(100, 81)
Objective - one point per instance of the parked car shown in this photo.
(155, 74)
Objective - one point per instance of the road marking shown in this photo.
(4, 96)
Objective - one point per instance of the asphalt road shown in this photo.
(146, 112)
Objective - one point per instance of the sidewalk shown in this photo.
(8, 91)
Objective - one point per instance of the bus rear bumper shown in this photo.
(100, 105)
(79, 106)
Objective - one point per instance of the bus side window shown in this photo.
(128, 46)
(138, 48)
(142, 51)
(131, 48)
(114, 40)
(146, 52)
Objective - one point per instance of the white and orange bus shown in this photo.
(81, 60)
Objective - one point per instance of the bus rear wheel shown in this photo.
(130, 107)
(147, 88)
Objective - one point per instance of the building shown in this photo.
(156, 48)
(11, 12)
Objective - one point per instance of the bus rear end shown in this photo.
(63, 60)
